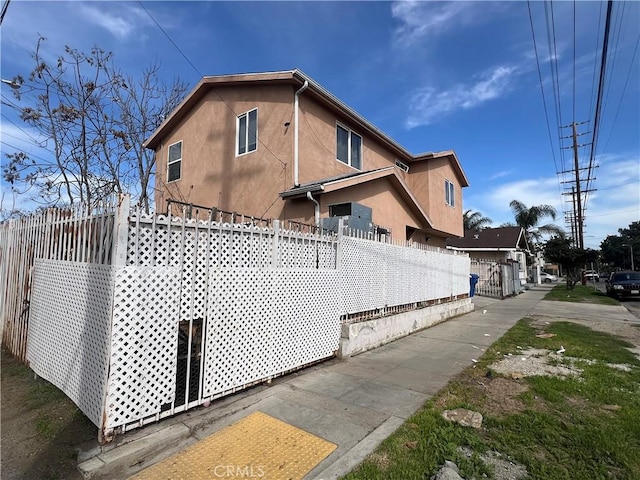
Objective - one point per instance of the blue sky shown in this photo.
(433, 76)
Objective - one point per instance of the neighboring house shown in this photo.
(500, 244)
(278, 145)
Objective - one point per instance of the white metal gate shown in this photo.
(496, 279)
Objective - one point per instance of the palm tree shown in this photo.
(529, 218)
(475, 221)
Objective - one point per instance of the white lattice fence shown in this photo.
(70, 330)
(144, 337)
(78, 234)
(266, 322)
(378, 275)
(194, 309)
(197, 246)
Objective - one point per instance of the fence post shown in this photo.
(121, 233)
(339, 244)
(275, 244)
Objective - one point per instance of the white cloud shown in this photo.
(536, 191)
(615, 203)
(121, 23)
(503, 173)
(427, 103)
(422, 19)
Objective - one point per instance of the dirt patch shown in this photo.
(628, 331)
(41, 427)
(501, 396)
(381, 460)
(503, 467)
(533, 362)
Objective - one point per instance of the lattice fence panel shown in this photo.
(265, 322)
(376, 275)
(143, 343)
(69, 330)
(364, 269)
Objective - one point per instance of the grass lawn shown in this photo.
(584, 427)
(41, 427)
(580, 293)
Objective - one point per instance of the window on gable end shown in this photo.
(449, 193)
(247, 132)
(348, 147)
(174, 162)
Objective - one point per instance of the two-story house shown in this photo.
(278, 145)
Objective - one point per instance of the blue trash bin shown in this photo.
(473, 280)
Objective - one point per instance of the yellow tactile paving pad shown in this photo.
(258, 446)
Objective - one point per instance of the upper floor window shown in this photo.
(449, 191)
(247, 132)
(174, 162)
(349, 147)
(402, 166)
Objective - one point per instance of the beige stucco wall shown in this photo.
(426, 180)
(389, 210)
(212, 175)
(317, 144)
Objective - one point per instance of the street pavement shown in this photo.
(354, 403)
(631, 304)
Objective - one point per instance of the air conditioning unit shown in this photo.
(354, 215)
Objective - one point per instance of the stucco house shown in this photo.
(502, 244)
(278, 145)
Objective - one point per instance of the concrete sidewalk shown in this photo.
(354, 403)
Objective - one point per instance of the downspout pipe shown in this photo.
(296, 181)
(317, 209)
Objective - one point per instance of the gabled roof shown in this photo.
(491, 239)
(296, 78)
(339, 182)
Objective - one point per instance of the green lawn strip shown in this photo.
(577, 340)
(568, 428)
(581, 294)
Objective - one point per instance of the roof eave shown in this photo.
(300, 192)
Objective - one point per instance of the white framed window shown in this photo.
(402, 166)
(174, 162)
(348, 147)
(449, 193)
(247, 132)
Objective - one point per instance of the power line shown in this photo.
(3, 12)
(283, 164)
(603, 67)
(19, 128)
(621, 185)
(624, 90)
(574, 61)
(544, 101)
(170, 39)
(26, 153)
(615, 212)
(553, 60)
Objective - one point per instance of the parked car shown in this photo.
(624, 284)
(547, 277)
(591, 275)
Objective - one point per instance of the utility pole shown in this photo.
(574, 230)
(577, 191)
(579, 225)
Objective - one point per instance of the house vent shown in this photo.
(476, 236)
(402, 166)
